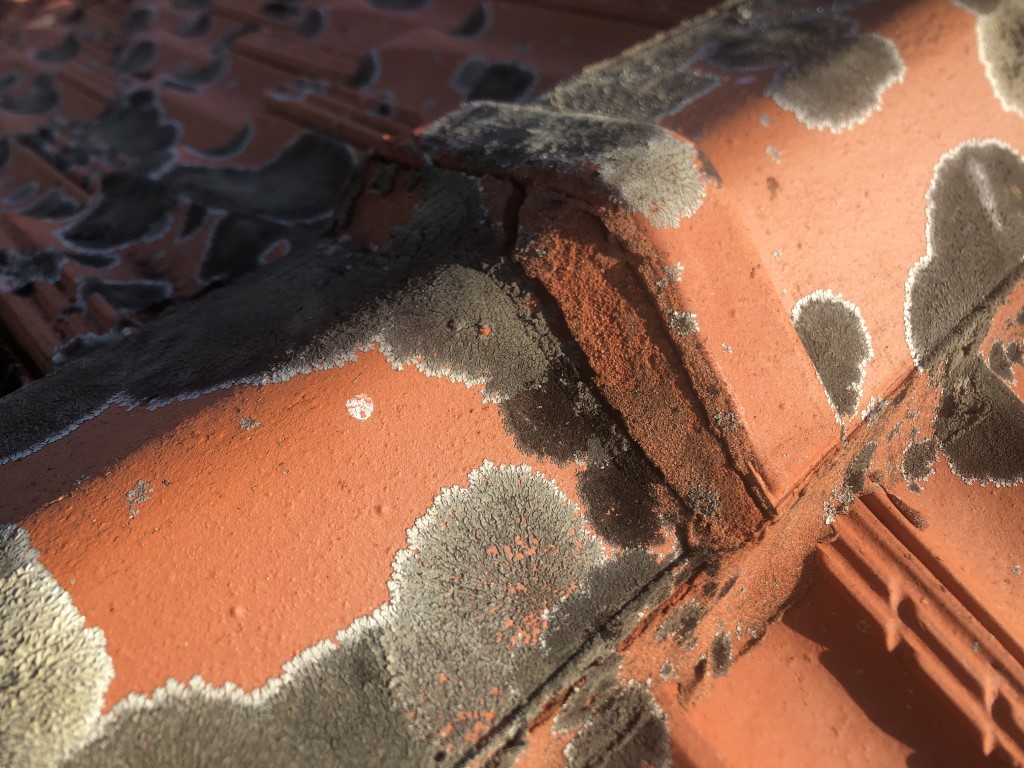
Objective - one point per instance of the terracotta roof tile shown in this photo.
(454, 382)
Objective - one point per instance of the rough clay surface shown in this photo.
(53, 671)
(975, 227)
(837, 341)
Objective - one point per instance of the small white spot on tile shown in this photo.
(774, 154)
(359, 407)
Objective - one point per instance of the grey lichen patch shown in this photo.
(974, 229)
(721, 654)
(874, 410)
(703, 502)
(480, 80)
(487, 569)
(642, 167)
(624, 726)
(843, 497)
(1000, 47)
(1000, 363)
(19, 270)
(975, 226)
(839, 345)
(248, 423)
(489, 563)
(827, 74)
(980, 425)
(53, 671)
(137, 496)
(683, 323)
(512, 357)
(726, 421)
(843, 88)
(641, 85)
(919, 462)
(681, 625)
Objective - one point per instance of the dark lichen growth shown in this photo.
(843, 88)
(462, 571)
(20, 270)
(729, 584)
(1000, 363)
(136, 58)
(54, 205)
(1015, 353)
(476, 24)
(980, 424)
(196, 26)
(918, 462)
(137, 20)
(642, 167)
(620, 495)
(854, 479)
(1000, 46)
(703, 502)
(313, 24)
(828, 75)
(66, 50)
(476, 79)
(623, 726)
(132, 295)
(131, 208)
(201, 77)
(300, 184)
(837, 341)
(239, 243)
(856, 474)
(367, 72)
(40, 99)
(643, 83)
(975, 226)
(681, 625)
(721, 654)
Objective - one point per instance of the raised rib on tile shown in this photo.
(22, 319)
(651, 13)
(333, 124)
(299, 61)
(956, 652)
(887, 511)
